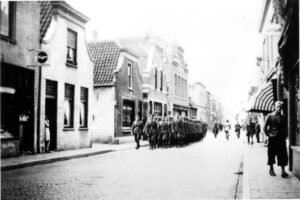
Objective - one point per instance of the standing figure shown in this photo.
(216, 129)
(227, 128)
(250, 128)
(47, 134)
(237, 128)
(257, 131)
(136, 129)
(147, 129)
(176, 131)
(276, 129)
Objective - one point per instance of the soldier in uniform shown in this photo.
(176, 131)
(170, 131)
(180, 132)
(136, 129)
(159, 132)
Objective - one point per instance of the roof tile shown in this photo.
(106, 55)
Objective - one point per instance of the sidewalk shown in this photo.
(29, 160)
(258, 184)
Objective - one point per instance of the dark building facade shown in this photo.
(19, 38)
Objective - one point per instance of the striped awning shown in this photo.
(263, 100)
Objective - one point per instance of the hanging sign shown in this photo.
(42, 57)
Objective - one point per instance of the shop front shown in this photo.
(17, 110)
(180, 110)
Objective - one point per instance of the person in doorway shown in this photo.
(47, 135)
(276, 129)
(250, 128)
(257, 131)
(136, 129)
(227, 128)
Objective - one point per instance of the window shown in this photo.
(165, 110)
(69, 105)
(161, 81)
(128, 113)
(150, 107)
(155, 78)
(72, 47)
(157, 109)
(130, 74)
(83, 109)
(176, 85)
(7, 19)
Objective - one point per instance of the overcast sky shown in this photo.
(220, 37)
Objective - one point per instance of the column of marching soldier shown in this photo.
(166, 132)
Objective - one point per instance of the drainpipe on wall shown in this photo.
(292, 116)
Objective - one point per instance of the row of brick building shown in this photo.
(89, 91)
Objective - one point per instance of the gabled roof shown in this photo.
(106, 55)
(47, 11)
(45, 17)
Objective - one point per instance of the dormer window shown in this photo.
(72, 47)
(129, 74)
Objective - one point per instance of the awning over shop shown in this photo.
(263, 100)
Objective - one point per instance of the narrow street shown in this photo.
(207, 169)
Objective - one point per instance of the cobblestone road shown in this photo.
(202, 170)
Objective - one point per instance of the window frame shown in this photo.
(75, 49)
(71, 101)
(84, 97)
(161, 80)
(129, 73)
(11, 37)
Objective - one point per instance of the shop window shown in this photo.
(7, 19)
(83, 110)
(128, 113)
(165, 110)
(129, 74)
(68, 105)
(157, 109)
(72, 47)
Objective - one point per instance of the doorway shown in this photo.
(51, 111)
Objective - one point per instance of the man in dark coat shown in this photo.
(250, 128)
(276, 129)
(257, 131)
(136, 129)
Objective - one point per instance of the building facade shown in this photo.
(177, 75)
(19, 38)
(198, 94)
(152, 66)
(118, 96)
(67, 81)
(280, 19)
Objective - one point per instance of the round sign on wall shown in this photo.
(42, 57)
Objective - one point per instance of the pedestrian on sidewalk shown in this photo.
(136, 129)
(250, 128)
(237, 128)
(47, 135)
(276, 129)
(227, 128)
(257, 131)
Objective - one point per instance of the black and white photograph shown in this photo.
(149, 99)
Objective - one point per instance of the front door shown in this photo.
(51, 111)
